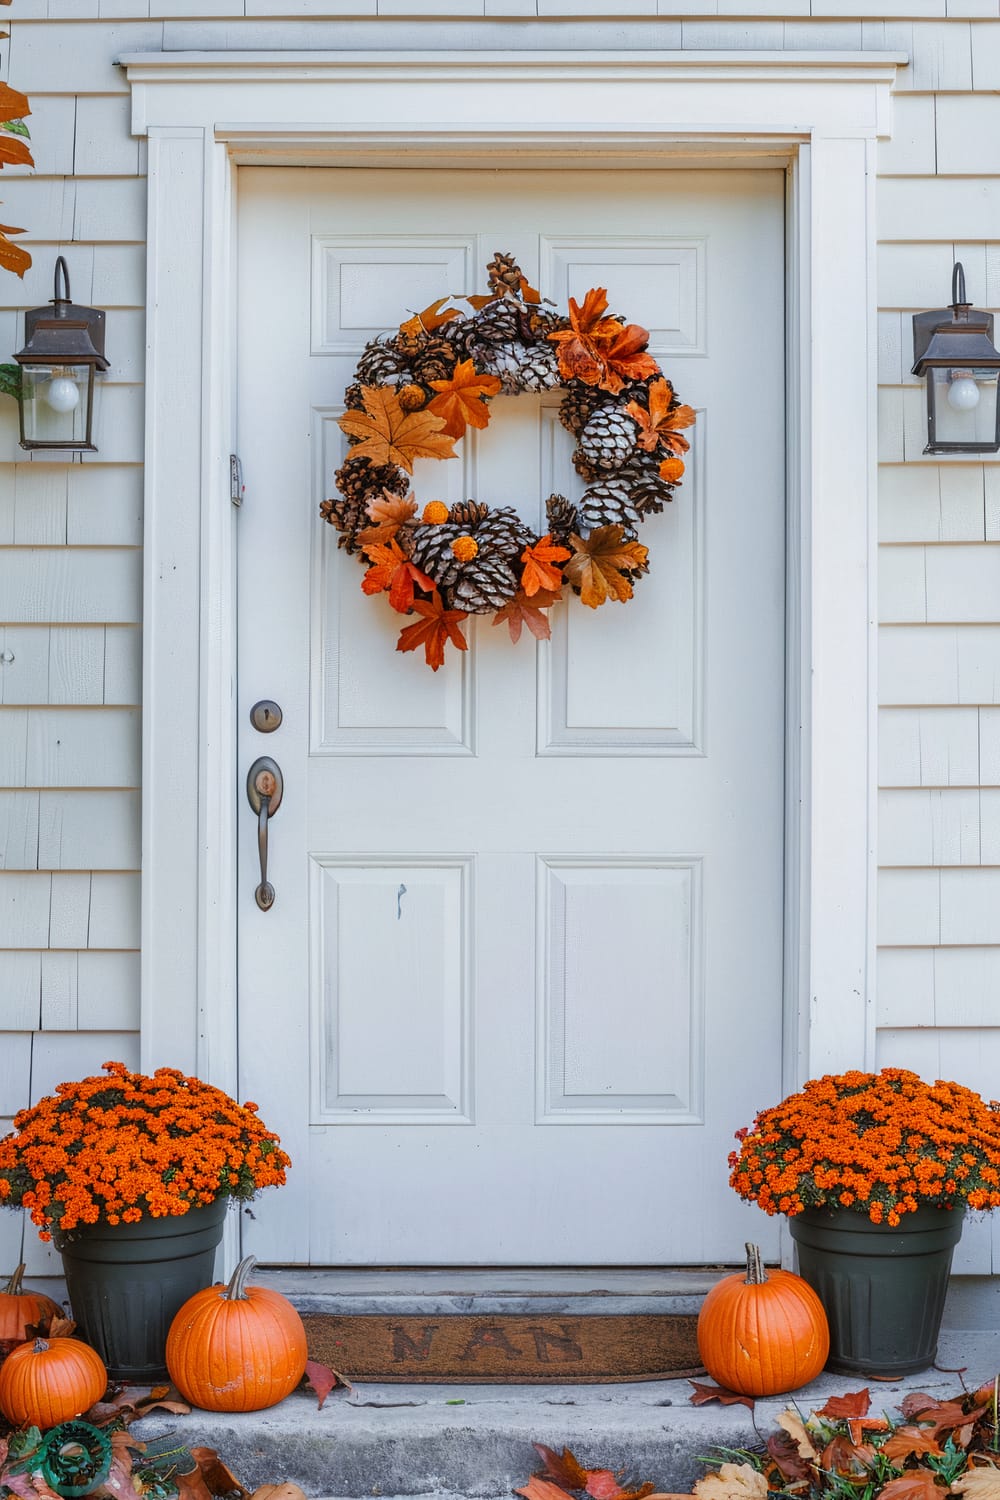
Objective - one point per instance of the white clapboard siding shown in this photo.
(938, 664)
(50, 747)
(931, 503)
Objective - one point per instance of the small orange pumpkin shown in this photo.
(48, 1381)
(236, 1348)
(21, 1308)
(762, 1334)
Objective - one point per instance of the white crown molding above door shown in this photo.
(204, 115)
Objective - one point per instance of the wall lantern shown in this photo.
(953, 347)
(64, 349)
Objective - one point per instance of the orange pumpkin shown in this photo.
(761, 1334)
(236, 1348)
(21, 1308)
(49, 1381)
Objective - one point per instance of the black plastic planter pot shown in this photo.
(126, 1283)
(883, 1288)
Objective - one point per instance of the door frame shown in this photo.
(205, 114)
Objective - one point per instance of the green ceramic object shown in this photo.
(883, 1288)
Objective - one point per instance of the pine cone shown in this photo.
(578, 405)
(496, 323)
(434, 360)
(649, 492)
(523, 367)
(483, 585)
(380, 359)
(609, 503)
(562, 518)
(359, 479)
(504, 274)
(353, 398)
(467, 513)
(608, 440)
(349, 517)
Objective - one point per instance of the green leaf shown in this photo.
(17, 127)
(10, 381)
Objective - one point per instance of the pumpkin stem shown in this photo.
(755, 1266)
(236, 1291)
(40, 1346)
(13, 1287)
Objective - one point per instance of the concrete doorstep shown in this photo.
(415, 1440)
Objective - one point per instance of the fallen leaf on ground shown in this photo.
(703, 1394)
(543, 1489)
(792, 1423)
(916, 1484)
(908, 1442)
(853, 1404)
(323, 1380)
(980, 1483)
(732, 1482)
(562, 1467)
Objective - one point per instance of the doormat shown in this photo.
(507, 1349)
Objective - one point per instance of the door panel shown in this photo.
(523, 970)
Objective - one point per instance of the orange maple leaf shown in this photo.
(539, 561)
(391, 569)
(13, 104)
(389, 513)
(434, 631)
(462, 399)
(389, 435)
(429, 320)
(531, 612)
(658, 427)
(12, 257)
(600, 566)
(14, 152)
(599, 350)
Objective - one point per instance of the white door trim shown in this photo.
(204, 115)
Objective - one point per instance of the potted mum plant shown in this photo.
(874, 1172)
(130, 1176)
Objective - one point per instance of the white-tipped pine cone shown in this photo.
(378, 361)
(608, 440)
(523, 367)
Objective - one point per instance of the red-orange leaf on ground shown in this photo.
(915, 1484)
(542, 1489)
(909, 1441)
(841, 1456)
(389, 435)
(947, 1416)
(389, 513)
(437, 627)
(853, 1404)
(918, 1401)
(323, 1380)
(531, 612)
(562, 1467)
(600, 565)
(659, 427)
(602, 1485)
(461, 399)
(784, 1450)
(430, 319)
(391, 569)
(540, 571)
(703, 1394)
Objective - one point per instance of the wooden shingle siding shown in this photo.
(70, 534)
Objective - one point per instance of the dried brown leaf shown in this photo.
(853, 1404)
(703, 1394)
(792, 1423)
(979, 1483)
(732, 1482)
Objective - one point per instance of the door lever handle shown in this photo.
(265, 785)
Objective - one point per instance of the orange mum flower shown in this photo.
(882, 1143)
(120, 1147)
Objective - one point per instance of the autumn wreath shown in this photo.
(413, 396)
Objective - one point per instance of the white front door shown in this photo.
(522, 977)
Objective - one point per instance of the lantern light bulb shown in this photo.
(63, 394)
(963, 394)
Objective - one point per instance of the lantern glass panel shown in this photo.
(963, 406)
(56, 402)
